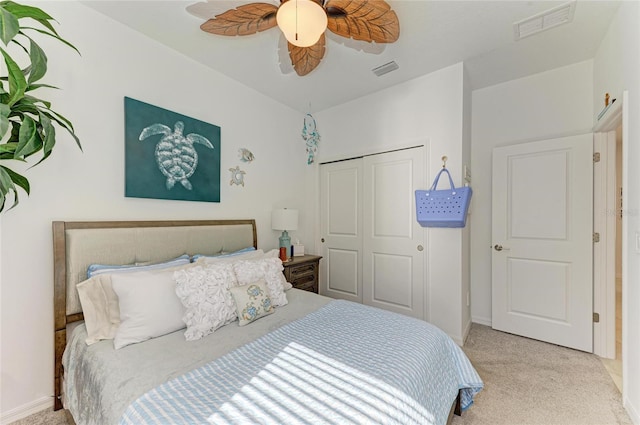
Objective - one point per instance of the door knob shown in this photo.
(420, 247)
(498, 247)
(322, 240)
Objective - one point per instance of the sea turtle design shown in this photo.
(176, 157)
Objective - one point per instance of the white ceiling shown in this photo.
(433, 35)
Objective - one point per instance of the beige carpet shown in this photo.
(531, 382)
(527, 382)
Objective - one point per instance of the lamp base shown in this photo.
(285, 240)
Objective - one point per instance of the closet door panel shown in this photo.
(393, 259)
(341, 229)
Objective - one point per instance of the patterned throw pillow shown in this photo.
(204, 292)
(252, 301)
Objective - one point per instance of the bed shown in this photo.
(310, 360)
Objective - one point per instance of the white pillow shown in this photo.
(204, 292)
(149, 306)
(100, 304)
(269, 269)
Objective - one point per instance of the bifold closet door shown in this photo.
(341, 229)
(393, 242)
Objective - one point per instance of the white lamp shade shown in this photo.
(284, 219)
(302, 21)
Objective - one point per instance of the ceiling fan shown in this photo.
(303, 23)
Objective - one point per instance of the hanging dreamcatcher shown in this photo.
(311, 137)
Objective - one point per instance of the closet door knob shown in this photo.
(420, 247)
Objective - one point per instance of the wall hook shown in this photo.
(444, 161)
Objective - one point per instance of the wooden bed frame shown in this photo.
(61, 317)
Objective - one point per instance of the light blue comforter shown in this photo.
(344, 363)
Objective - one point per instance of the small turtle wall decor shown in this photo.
(169, 155)
(237, 176)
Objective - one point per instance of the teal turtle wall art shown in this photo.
(169, 155)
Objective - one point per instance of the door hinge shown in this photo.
(596, 237)
(596, 317)
(596, 157)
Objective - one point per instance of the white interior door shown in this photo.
(542, 218)
(393, 254)
(341, 229)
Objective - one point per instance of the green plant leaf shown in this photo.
(34, 100)
(38, 62)
(29, 140)
(20, 44)
(9, 26)
(21, 11)
(6, 186)
(9, 147)
(17, 82)
(54, 35)
(4, 119)
(64, 123)
(49, 138)
(32, 87)
(18, 179)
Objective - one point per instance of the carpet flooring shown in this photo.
(527, 382)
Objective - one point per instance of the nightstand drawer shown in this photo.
(302, 272)
(307, 286)
(302, 279)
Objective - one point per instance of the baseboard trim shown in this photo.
(481, 320)
(633, 413)
(25, 410)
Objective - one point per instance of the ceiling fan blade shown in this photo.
(368, 20)
(243, 20)
(306, 59)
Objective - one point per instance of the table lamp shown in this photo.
(284, 219)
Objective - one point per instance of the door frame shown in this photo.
(604, 290)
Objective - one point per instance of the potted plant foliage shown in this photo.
(27, 123)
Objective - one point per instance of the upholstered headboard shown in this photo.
(76, 245)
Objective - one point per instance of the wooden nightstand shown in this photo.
(302, 272)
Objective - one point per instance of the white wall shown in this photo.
(427, 110)
(616, 68)
(89, 185)
(542, 106)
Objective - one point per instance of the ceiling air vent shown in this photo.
(545, 20)
(386, 68)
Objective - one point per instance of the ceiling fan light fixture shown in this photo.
(302, 22)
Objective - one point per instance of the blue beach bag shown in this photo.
(443, 208)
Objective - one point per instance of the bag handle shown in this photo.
(435, 182)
